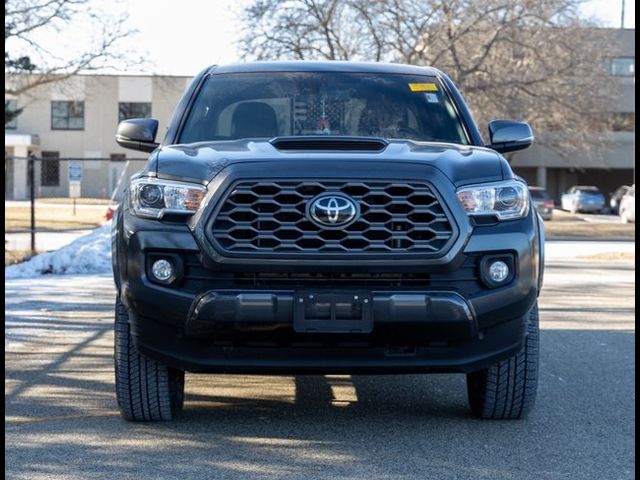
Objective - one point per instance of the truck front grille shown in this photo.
(270, 216)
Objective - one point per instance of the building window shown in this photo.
(623, 67)
(67, 115)
(10, 107)
(624, 122)
(127, 110)
(50, 172)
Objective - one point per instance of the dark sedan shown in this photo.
(542, 201)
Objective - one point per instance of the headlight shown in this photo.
(153, 198)
(507, 200)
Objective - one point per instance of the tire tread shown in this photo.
(507, 390)
(145, 389)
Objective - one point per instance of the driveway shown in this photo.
(62, 420)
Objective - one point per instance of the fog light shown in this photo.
(163, 270)
(498, 271)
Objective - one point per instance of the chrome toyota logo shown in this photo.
(332, 210)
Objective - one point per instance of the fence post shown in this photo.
(32, 198)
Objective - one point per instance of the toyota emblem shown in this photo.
(333, 210)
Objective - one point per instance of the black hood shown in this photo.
(201, 162)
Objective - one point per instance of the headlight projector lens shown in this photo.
(150, 195)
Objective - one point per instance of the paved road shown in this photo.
(62, 423)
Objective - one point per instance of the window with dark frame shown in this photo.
(50, 169)
(623, 67)
(11, 105)
(127, 110)
(67, 115)
(624, 122)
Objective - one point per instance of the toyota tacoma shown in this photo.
(325, 218)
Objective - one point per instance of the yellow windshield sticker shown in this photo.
(423, 87)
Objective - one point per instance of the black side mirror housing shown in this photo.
(509, 135)
(138, 134)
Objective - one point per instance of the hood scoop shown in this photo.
(325, 143)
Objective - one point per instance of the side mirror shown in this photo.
(509, 135)
(138, 134)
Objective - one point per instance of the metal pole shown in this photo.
(32, 198)
(622, 16)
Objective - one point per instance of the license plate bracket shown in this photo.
(333, 311)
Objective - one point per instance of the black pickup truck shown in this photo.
(330, 217)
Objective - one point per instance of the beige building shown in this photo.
(77, 119)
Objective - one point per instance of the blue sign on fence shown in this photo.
(75, 171)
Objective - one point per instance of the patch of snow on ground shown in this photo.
(90, 253)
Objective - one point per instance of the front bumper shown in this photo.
(321, 355)
(439, 329)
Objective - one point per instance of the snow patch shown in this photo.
(90, 253)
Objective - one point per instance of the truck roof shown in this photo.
(327, 66)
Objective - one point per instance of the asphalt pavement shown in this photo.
(62, 422)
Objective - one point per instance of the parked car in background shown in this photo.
(542, 201)
(583, 199)
(628, 206)
(616, 198)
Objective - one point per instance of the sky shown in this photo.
(183, 37)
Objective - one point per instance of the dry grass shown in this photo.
(568, 225)
(16, 256)
(612, 256)
(583, 230)
(54, 217)
(79, 201)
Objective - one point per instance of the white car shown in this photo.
(583, 199)
(628, 206)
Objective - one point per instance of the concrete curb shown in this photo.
(590, 239)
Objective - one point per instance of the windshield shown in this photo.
(267, 105)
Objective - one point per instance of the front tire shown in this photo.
(507, 390)
(146, 390)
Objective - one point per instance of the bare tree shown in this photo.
(30, 63)
(535, 60)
